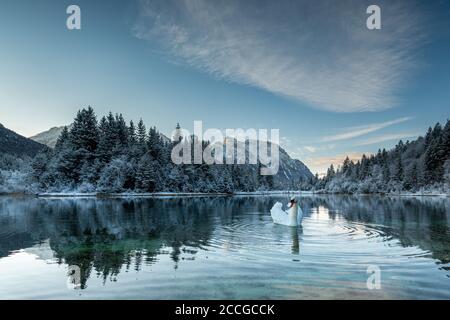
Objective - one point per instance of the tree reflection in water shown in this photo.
(106, 236)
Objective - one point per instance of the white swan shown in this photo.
(292, 217)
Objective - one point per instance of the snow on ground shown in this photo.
(162, 194)
(126, 194)
(200, 194)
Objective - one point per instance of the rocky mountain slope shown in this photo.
(14, 143)
(48, 137)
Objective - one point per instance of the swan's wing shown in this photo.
(277, 212)
(277, 206)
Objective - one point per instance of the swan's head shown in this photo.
(293, 201)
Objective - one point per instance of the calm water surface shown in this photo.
(224, 248)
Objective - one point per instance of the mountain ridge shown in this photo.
(13, 143)
(48, 137)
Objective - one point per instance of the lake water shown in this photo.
(224, 248)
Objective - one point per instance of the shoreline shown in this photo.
(201, 194)
(444, 195)
(162, 194)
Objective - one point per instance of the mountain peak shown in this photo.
(49, 137)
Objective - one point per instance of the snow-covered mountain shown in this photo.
(48, 137)
(291, 172)
(14, 143)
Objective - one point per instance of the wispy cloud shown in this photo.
(319, 54)
(310, 149)
(388, 137)
(358, 131)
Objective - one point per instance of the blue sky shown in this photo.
(310, 68)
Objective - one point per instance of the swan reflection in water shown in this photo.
(288, 238)
(295, 240)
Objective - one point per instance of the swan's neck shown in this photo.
(293, 212)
